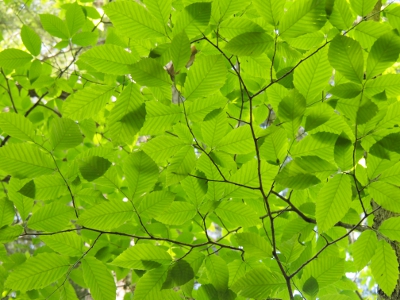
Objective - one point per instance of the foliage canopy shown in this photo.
(225, 149)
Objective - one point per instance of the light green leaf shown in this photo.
(302, 17)
(75, 18)
(149, 72)
(364, 248)
(237, 213)
(23, 204)
(150, 284)
(254, 245)
(389, 83)
(50, 187)
(107, 215)
(141, 173)
(325, 269)
(386, 195)
(193, 19)
(270, 10)
(274, 146)
(37, 272)
(195, 189)
(224, 9)
(109, 59)
(133, 20)
(161, 10)
(235, 26)
(214, 127)
(55, 26)
(292, 107)
(339, 14)
(10, 233)
(385, 267)
(25, 161)
(344, 153)
(311, 77)
(346, 90)
(197, 110)
(249, 44)
(391, 228)
(64, 134)
(14, 58)
(217, 272)
(205, 77)
(160, 117)
(99, 279)
(16, 125)
(85, 38)
(333, 202)
(142, 257)
(87, 102)
(346, 56)
(162, 147)
(180, 50)
(237, 141)
(93, 167)
(393, 16)
(65, 243)
(51, 217)
(319, 144)
(178, 213)
(31, 40)
(7, 212)
(128, 116)
(155, 203)
(383, 54)
(259, 283)
(362, 7)
(181, 165)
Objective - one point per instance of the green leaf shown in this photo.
(344, 153)
(320, 144)
(150, 284)
(311, 286)
(205, 77)
(364, 248)
(16, 125)
(55, 26)
(362, 7)
(50, 187)
(109, 59)
(311, 76)
(254, 245)
(177, 213)
(224, 9)
(7, 212)
(51, 217)
(155, 203)
(107, 215)
(237, 213)
(143, 257)
(195, 189)
(274, 146)
(133, 20)
(292, 107)
(29, 190)
(385, 267)
(160, 9)
(75, 18)
(85, 38)
(31, 40)
(393, 16)
(249, 44)
(270, 10)
(345, 55)
(180, 50)
(160, 117)
(193, 19)
(389, 83)
(14, 58)
(149, 72)
(386, 195)
(162, 147)
(214, 127)
(302, 17)
(37, 272)
(237, 141)
(93, 167)
(10, 233)
(333, 202)
(181, 165)
(259, 283)
(128, 116)
(87, 103)
(141, 173)
(64, 134)
(99, 279)
(25, 161)
(217, 272)
(65, 243)
(346, 90)
(325, 269)
(339, 14)
(390, 228)
(295, 177)
(235, 26)
(383, 54)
